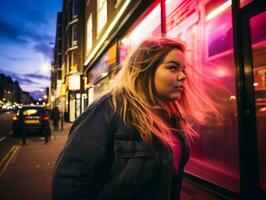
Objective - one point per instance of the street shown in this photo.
(26, 170)
(5, 123)
(7, 142)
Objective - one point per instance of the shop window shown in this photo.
(100, 87)
(90, 95)
(206, 27)
(67, 103)
(258, 38)
(89, 34)
(72, 106)
(100, 70)
(84, 102)
(78, 104)
(218, 34)
(101, 14)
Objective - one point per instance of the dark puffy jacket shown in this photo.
(103, 159)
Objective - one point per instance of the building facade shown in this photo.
(55, 98)
(225, 40)
(72, 57)
(10, 90)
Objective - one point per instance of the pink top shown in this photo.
(177, 153)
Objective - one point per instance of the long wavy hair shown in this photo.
(134, 87)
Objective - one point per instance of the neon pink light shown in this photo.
(221, 72)
(171, 5)
(218, 10)
(146, 27)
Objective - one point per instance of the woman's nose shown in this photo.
(181, 76)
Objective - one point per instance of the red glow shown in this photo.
(45, 118)
(221, 72)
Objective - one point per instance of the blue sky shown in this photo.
(26, 29)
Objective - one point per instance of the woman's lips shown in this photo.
(179, 88)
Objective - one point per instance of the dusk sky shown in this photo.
(27, 29)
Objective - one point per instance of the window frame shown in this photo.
(101, 15)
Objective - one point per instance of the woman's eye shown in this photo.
(174, 68)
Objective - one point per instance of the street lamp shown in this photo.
(74, 80)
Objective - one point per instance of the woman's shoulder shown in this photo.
(102, 104)
(100, 109)
(104, 101)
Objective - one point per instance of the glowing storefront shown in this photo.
(220, 157)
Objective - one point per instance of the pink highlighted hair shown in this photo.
(134, 87)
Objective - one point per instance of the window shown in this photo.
(214, 154)
(89, 34)
(74, 34)
(101, 14)
(75, 8)
(69, 14)
(68, 61)
(73, 60)
(68, 39)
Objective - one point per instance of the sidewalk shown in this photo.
(28, 176)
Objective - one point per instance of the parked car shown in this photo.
(31, 119)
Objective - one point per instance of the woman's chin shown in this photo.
(172, 97)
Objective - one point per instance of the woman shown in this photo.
(132, 142)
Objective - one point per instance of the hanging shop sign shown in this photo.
(74, 81)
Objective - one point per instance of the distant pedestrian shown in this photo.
(55, 117)
(132, 143)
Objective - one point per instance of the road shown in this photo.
(5, 124)
(8, 144)
(26, 170)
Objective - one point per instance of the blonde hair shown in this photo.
(133, 87)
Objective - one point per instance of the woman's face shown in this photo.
(170, 77)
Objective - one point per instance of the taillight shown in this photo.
(15, 118)
(45, 118)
